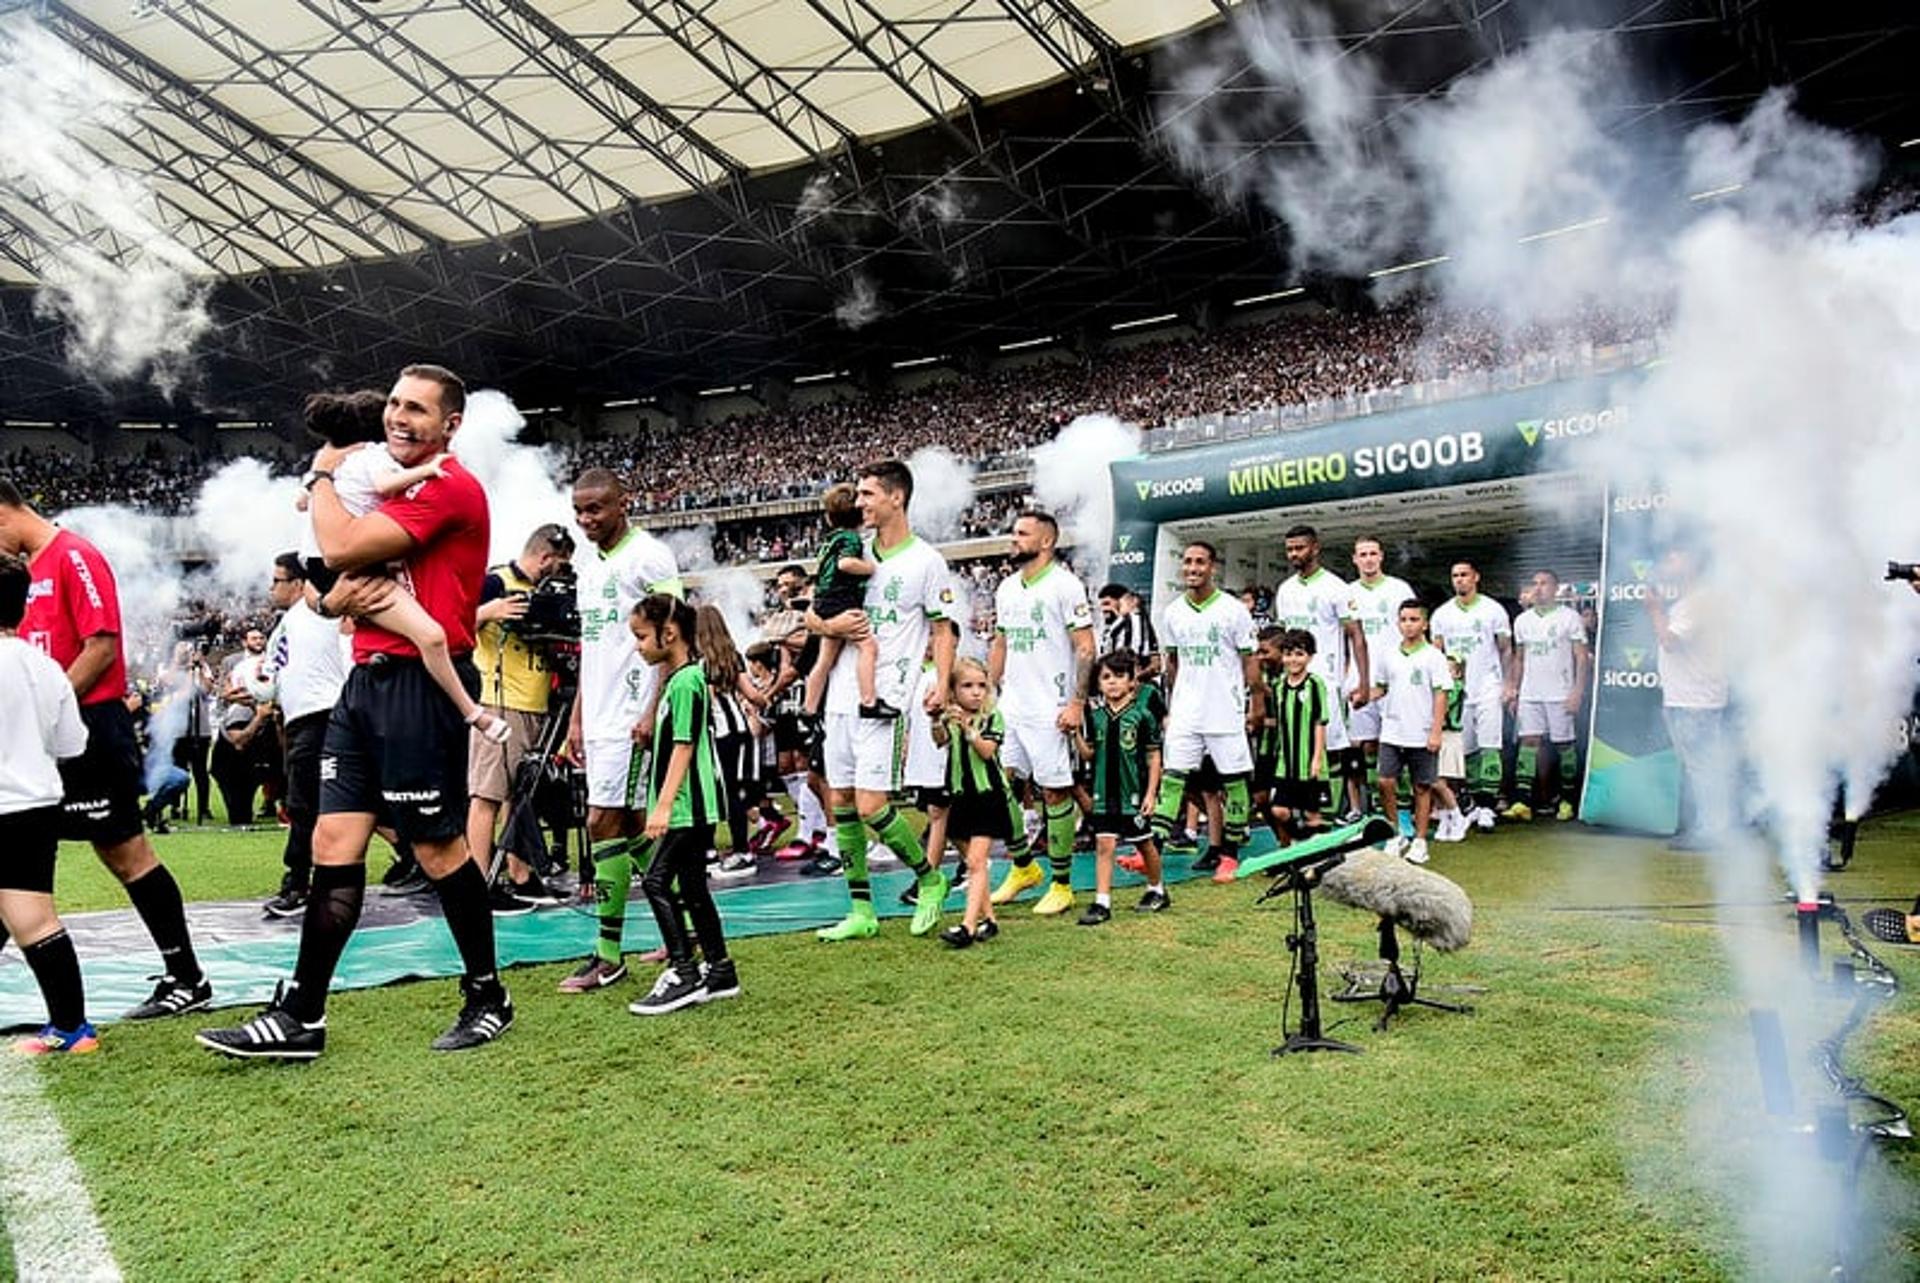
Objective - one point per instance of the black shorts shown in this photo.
(1302, 797)
(103, 785)
(925, 798)
(1128, 828)
(978, 815)
(1422, 763)
(1205, 778)
(839, 601)
(306, 736)
(28, 840)
(396, 747)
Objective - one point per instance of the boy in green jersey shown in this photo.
(687, 805)
(1120, 739)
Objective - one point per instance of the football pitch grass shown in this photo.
(1061, 1103)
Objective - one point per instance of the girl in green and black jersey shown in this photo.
(977, 814)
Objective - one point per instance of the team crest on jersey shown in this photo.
(1129, 738)
(1038, 613)
(892, 592)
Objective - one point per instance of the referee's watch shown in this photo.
(314, 478)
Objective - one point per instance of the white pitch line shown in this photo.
(43, 1202)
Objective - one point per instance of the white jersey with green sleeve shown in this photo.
(1470, 632)
(1320, 604)
(1037, 619)
(1547, 639)
(1376, 608)
(615, 683)
(910, 588)
(1211, 640)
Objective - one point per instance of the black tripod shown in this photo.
(1397, 988)
(520, 818)
(1304, 943)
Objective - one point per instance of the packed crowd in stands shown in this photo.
(991, 420)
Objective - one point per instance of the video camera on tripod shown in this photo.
(553, 615)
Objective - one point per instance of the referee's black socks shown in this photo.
(463, 899)
(333, 910)
(156, 898)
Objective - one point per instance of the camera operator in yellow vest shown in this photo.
(515, 685)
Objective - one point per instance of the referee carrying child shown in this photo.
(396, 748)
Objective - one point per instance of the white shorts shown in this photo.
(1481, 725)
(866, 753)
(1039, 752)
(1182, 750)
(1337, 737)
(926, 761)
(1453, 755)
(1548, 717)
(1363, 724)
(616, 775)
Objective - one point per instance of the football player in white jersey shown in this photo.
(1374, 601)
(910, 601)
(1040, 662)
(1475, 630)
(612, 717)
(1217, 700)
(1315, 599)
(1551, 662)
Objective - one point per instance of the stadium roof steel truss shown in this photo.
(586, 199)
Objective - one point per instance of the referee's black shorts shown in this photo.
(396, 748)
(102, 787)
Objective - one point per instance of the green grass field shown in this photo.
(1064, 1103)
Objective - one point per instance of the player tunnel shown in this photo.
(1510, 481)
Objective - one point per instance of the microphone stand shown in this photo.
(1304, 942)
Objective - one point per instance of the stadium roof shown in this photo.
(584, 200)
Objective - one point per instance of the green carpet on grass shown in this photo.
(245, 971)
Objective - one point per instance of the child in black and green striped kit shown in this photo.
(687, 805)
(839, 588)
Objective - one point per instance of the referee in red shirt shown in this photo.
(73, 614)
(396, 748)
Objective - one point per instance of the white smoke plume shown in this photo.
(861, 306)
(1071, 481)
(740, 595)
(132, 296)
(524, 488)
(942, 491)
(242, 519)
(1339, 189)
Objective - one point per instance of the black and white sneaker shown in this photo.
(274, 1034)
(676, 988)
(720, 980)
(1152, 901)
(172, 998)
(408, 879)
(823, 865)
(290, 903)
(1097, 914)
(486, 1014)
(504, 903)
(536, 892)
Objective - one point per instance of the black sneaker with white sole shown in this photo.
(274, 1034)
(171, 997)
(486, 1014)
(677, 987)
(1152, 901)
(720, 980)
(505, 904)
(290, 903)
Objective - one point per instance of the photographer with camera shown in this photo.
(516, 685)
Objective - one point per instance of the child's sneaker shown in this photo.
(1416, 852)
(54, 1042)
